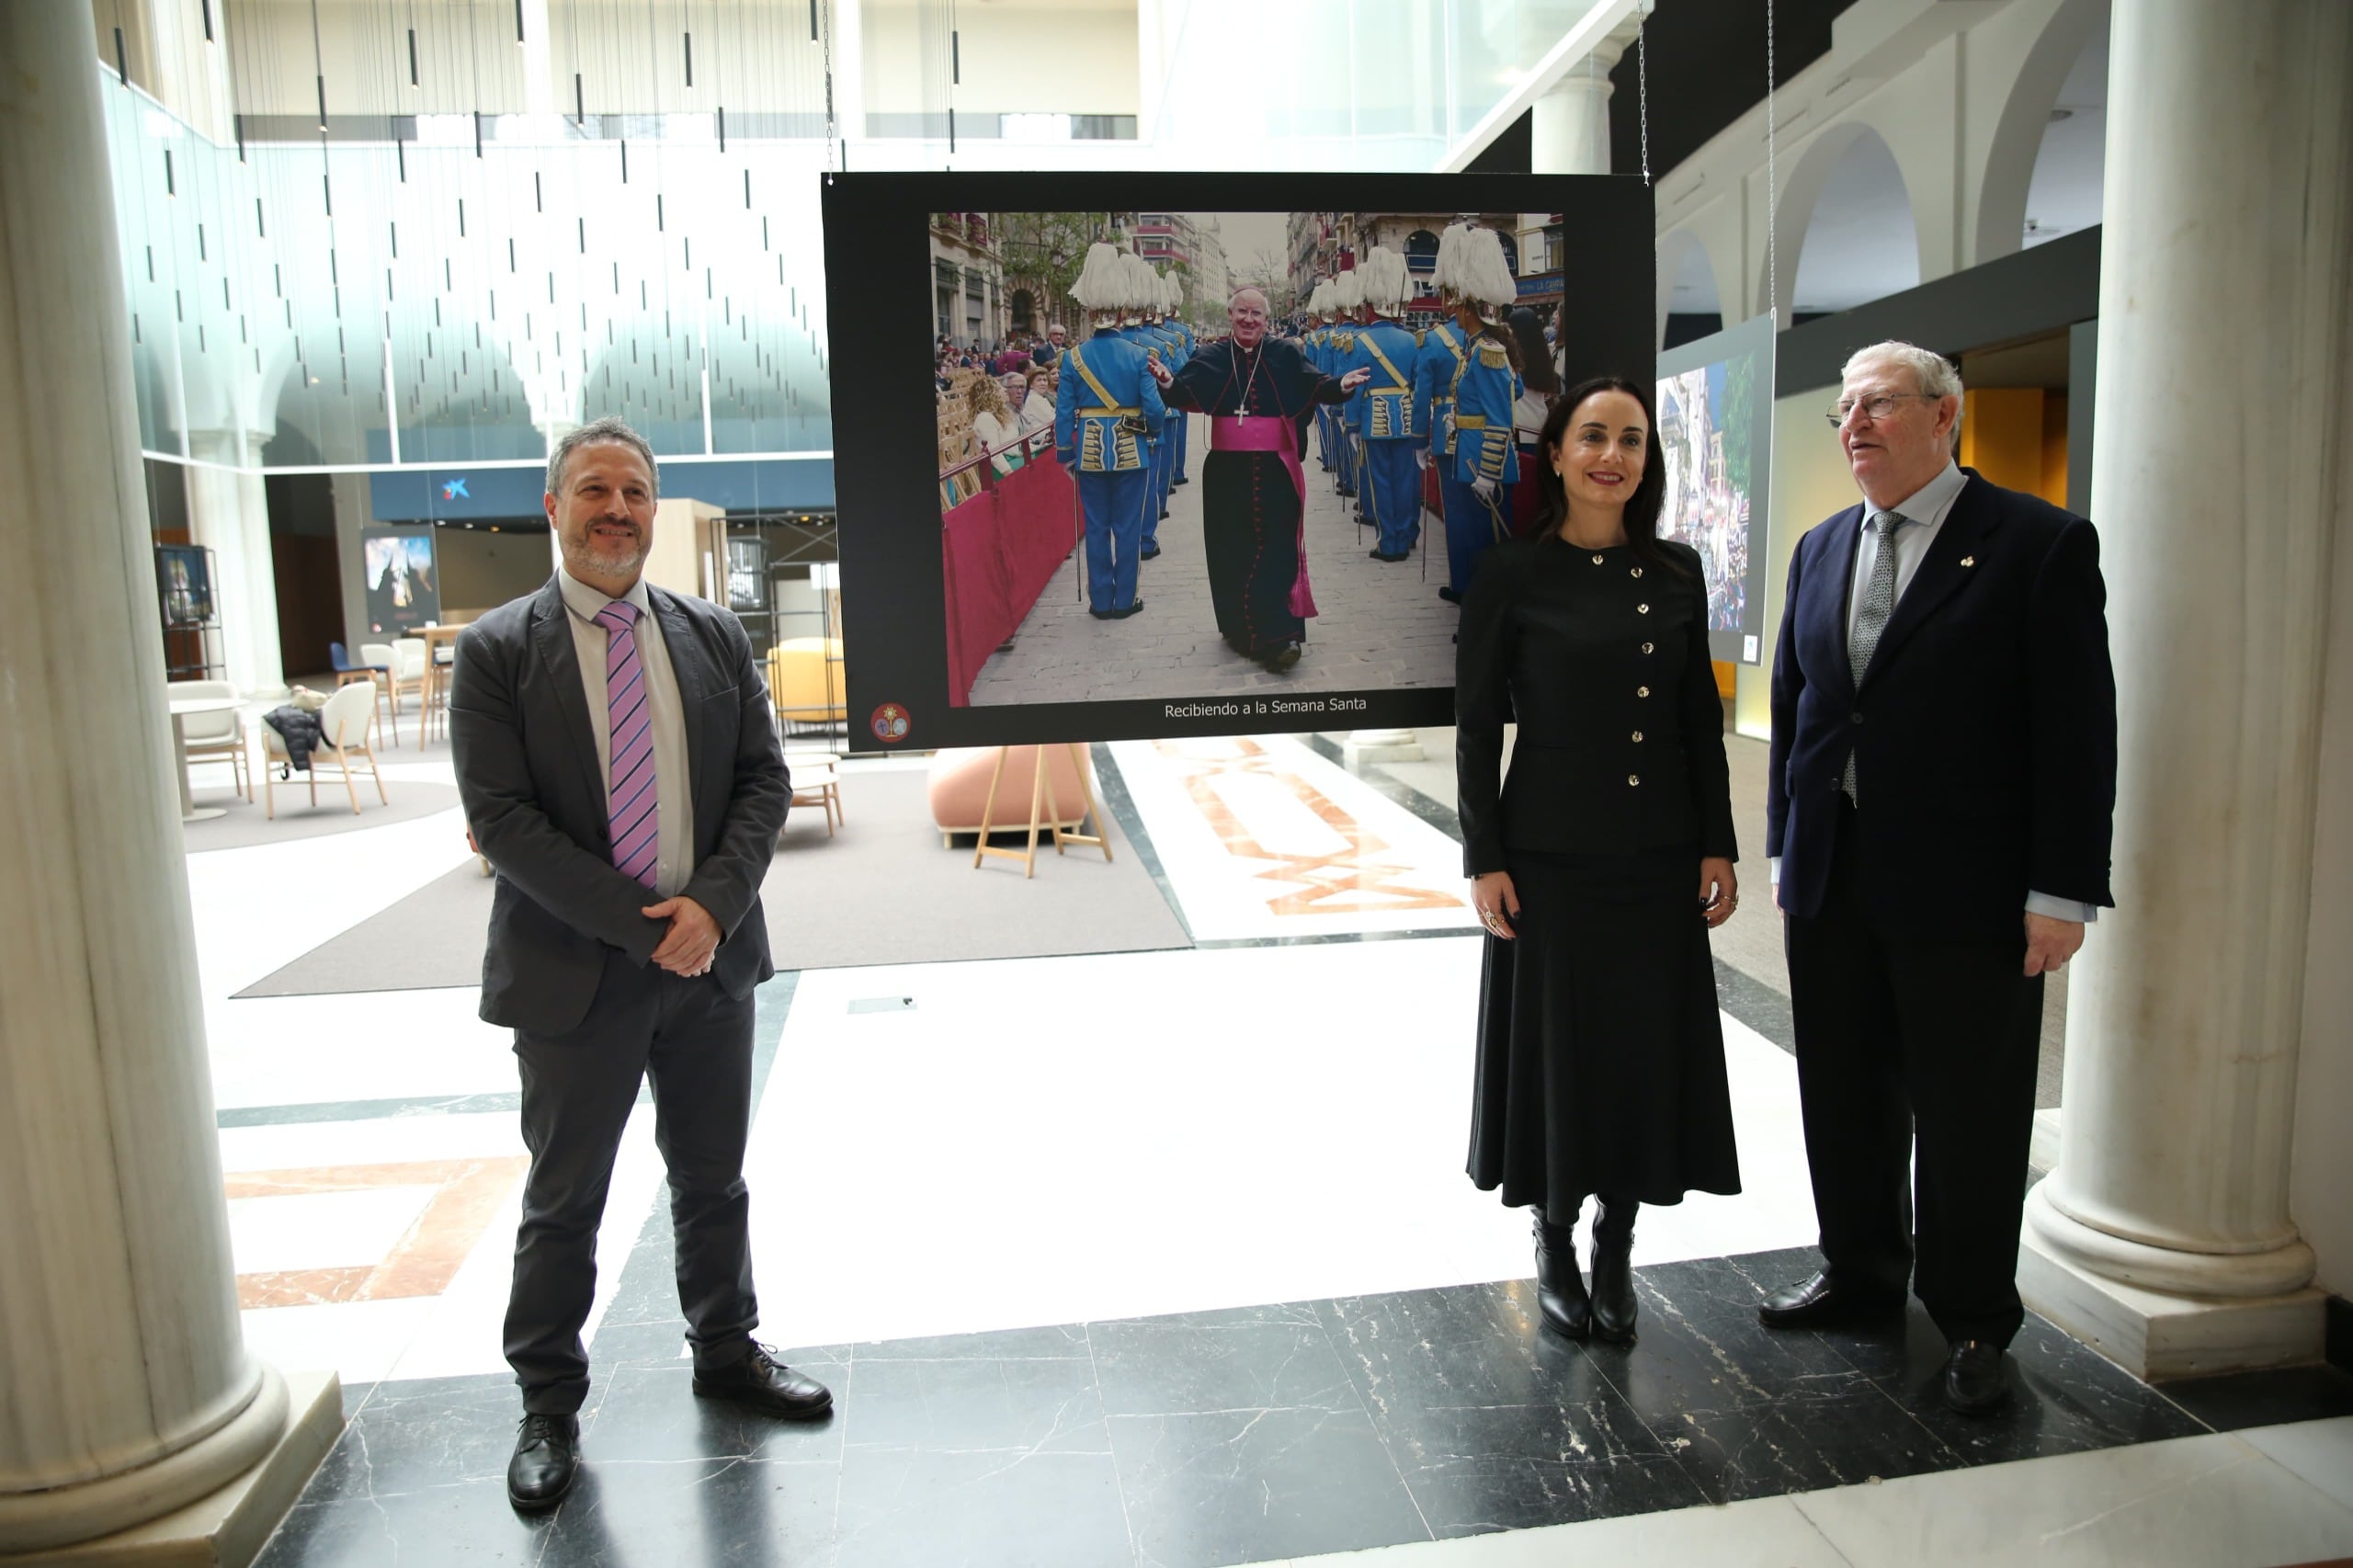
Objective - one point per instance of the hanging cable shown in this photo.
(1772, 181)
(1642, 88)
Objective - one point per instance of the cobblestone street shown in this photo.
(1382, 625)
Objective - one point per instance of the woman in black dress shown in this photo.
(1601, 864)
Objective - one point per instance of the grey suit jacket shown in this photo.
(535, 799)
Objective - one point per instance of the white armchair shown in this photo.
(378, 657)
(217, 737)
(344, 724)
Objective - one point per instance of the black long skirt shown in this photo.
(1601, 1058)
(1250, 523)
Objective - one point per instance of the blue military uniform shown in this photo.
(1156, 346)
(1442, 353)
(1380, 413)
(1339, 357)
(1485, 390)
(1185, 346)
(1106, 387)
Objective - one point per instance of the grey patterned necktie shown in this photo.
(1871, 612)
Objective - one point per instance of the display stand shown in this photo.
(1045, 812)
(193, 647)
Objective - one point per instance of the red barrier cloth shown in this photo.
(998, 552)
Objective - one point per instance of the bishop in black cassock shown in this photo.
(1259, 392)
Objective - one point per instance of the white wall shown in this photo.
(1958, 93)
(1073, 57)
(1810, 482)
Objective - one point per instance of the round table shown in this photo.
(181, 708)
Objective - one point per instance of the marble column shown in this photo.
(1570, 124)
(125, 1389)
(229, 512)
(2164, 1238)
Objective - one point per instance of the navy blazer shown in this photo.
(1983, 731)
(535, 801)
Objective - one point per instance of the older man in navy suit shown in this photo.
(1941, 790)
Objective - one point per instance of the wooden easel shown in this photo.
(1045, 812)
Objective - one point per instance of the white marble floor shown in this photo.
(1071, 1137)
(2267, 1496)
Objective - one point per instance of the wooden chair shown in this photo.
(411, 666)
(217, 737)
(377, 659)
(816, 781)
(344, 726)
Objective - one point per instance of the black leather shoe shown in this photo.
(1283, 657)
(1123, 614)
(759, 1382)
(1152, 554)
(1815, 1302)
(1450, 596)
(545, 1464)
(1613, 1270)
(1976, 1383)
(1559, 1289)
(1164, 514)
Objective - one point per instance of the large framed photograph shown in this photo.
(1179, 434)
(1715, 425)
(402, 587)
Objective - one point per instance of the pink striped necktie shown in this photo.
(635, 793)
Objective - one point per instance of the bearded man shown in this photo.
(1259, 393)
(619, 770)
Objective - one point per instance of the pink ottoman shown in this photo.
(960, 787)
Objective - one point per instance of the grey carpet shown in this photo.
(882, 891)
(297, 818)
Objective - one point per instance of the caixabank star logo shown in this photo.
(891, 723)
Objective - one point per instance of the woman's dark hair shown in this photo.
(1535, 354)
(1643, 506)
(1510, 343)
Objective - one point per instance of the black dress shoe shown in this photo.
(1282, 658)
(1383, 555)
(1976, 1383)
(1450, 596)
(1123, 614)
(1152, 554)
(759, 1382)
(545, 1464)
(1559, 1289)
(1815, 1302)
(1613, 1270)
(1164, 514)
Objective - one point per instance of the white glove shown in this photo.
(1422, 458)
(1484, 486)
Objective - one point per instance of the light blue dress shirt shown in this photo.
(1924, 512)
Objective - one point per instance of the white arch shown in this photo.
(1676, 251)
(2009, 170)
(1802, 194)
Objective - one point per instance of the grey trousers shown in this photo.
(578, 1088)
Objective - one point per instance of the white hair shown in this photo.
(1935, 374)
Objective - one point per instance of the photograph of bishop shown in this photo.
(1259, 392)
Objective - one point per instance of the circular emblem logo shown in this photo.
(890, 722)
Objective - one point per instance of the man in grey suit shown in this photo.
(621, 774)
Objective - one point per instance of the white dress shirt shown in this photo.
(1924, 512)
(675, 838)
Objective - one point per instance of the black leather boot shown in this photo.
(1559, 1289)
(1613, 1270)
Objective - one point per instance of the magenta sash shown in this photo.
(1272, 433)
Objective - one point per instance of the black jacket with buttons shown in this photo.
(1604, 663)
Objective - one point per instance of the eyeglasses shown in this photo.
(1879, 405)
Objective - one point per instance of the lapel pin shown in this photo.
(1969, 561)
